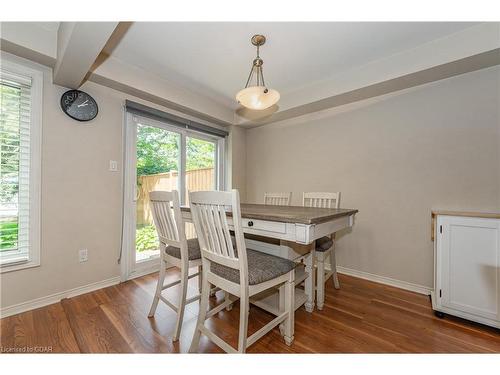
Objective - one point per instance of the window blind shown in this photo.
(156, 114)
(15, 118)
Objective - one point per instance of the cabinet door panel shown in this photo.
(471, 263)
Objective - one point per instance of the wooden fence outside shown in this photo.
(196, 180)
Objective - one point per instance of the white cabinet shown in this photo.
(467, 267)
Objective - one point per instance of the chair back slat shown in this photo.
(204, 225)
(227, 236)
(168, 221)
(209, 210)
(224, 246)
(278, 199)
(212, 229)
(321, 200)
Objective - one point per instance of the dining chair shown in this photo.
(242, 272)
(325, 246)
(175, 250)
(278, 199)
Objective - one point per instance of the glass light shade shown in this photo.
(254, 97)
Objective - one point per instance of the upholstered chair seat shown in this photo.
(261, 267)
(193, 250)
(324, 244)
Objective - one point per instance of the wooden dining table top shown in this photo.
(290, 214)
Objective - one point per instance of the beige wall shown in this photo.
(393, 158)
(81, 199)
(238, 157)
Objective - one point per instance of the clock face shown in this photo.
(79, 105)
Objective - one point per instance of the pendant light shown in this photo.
(257, 96)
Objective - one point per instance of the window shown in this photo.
(20, 123)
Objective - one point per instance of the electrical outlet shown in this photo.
(83, 255)
(113, 166)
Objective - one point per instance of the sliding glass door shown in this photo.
(160, 156)
(157, 166)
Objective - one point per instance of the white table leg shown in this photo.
(320, 280)
(295, 251)
(309, 281)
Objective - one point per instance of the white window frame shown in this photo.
(28, 70)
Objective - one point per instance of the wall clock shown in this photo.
(79, 105)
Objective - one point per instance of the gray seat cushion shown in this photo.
(193, 250)
(261, 267)
(323, 244)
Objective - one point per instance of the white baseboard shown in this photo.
(54, 298)
(385, 280)
(143, 271)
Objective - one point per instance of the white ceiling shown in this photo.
(215, 58)
(49, 26)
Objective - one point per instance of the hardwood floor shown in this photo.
(361, 317)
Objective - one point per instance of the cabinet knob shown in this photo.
(250, 223)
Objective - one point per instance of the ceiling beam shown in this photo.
(78, 45)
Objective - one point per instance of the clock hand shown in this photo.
(83, 104)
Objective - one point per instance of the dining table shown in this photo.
(289, 232)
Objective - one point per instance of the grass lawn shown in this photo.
(8, 234)
(146, 238)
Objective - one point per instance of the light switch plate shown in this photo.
(113, 166)
(83, 255)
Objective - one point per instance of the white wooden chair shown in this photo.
(325, 246)
(278, 199)
(175, 250)
(237, 270)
